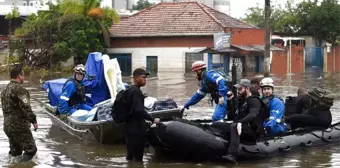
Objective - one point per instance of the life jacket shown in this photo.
(79, 96)
(256, 125)
(267, 100)
(212, 87)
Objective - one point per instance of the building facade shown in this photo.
(169, 37)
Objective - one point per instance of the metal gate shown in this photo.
(190, 58)
(240, 65)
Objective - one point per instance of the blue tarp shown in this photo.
(94, 82)
(54, 88)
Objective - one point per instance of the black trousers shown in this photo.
(135, 140)
(308, 120)
(247, 135)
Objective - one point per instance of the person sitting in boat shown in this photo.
(248, 119)
(256, 89)
(311, 111)
(276, 107)
(211, 82)
(72, 97)
(301, 92)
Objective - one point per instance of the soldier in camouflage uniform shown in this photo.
(18, 117)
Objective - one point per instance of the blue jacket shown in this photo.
(209, 77)
(68, 91)
(276, 112)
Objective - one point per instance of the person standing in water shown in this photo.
(18, 116)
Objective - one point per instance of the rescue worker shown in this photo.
(18, 116)
(309, 114)
(256, 89)
(276, 107)
(135, 129)
(72, 97)
(211, 82)
(248, 119)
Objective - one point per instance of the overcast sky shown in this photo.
(238, 7)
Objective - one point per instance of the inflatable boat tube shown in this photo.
(187, 138)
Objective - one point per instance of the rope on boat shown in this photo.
(333, 126)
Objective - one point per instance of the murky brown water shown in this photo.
(57, 148)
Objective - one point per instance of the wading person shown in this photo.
(18, 117)
(135, 127)
(211, 82)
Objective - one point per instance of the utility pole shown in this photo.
(267, 39)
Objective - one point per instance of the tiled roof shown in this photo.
(175, 19)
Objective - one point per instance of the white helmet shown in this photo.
(80, 69)
(267, 82)
(197, 65)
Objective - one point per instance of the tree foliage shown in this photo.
(66, 29)
(142, 4)
(318, 18)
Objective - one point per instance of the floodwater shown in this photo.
(57, 148)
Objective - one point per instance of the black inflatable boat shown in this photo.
(200, 139)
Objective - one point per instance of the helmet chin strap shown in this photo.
(200, 74)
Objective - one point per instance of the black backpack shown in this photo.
(121, 109)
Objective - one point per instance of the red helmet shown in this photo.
(197, 65)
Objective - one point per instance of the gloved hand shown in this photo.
(230, 95)
(239, 128)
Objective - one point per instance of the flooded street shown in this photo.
(57, 148)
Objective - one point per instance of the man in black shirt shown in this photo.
(135, 128)
(248, 119)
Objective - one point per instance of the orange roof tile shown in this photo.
(175, 19)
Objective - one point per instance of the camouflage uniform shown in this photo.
(18, 116)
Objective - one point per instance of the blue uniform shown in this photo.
(72, 98)
(276, 112)
(210, 80)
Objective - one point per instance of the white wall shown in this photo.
(170, 59)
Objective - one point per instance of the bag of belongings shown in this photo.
(321, 97)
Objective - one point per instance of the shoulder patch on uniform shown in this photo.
(24, 99)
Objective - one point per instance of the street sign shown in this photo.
(221, 40)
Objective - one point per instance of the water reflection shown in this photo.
(57, 148)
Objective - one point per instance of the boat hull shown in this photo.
(183, 138)
(102, 132)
